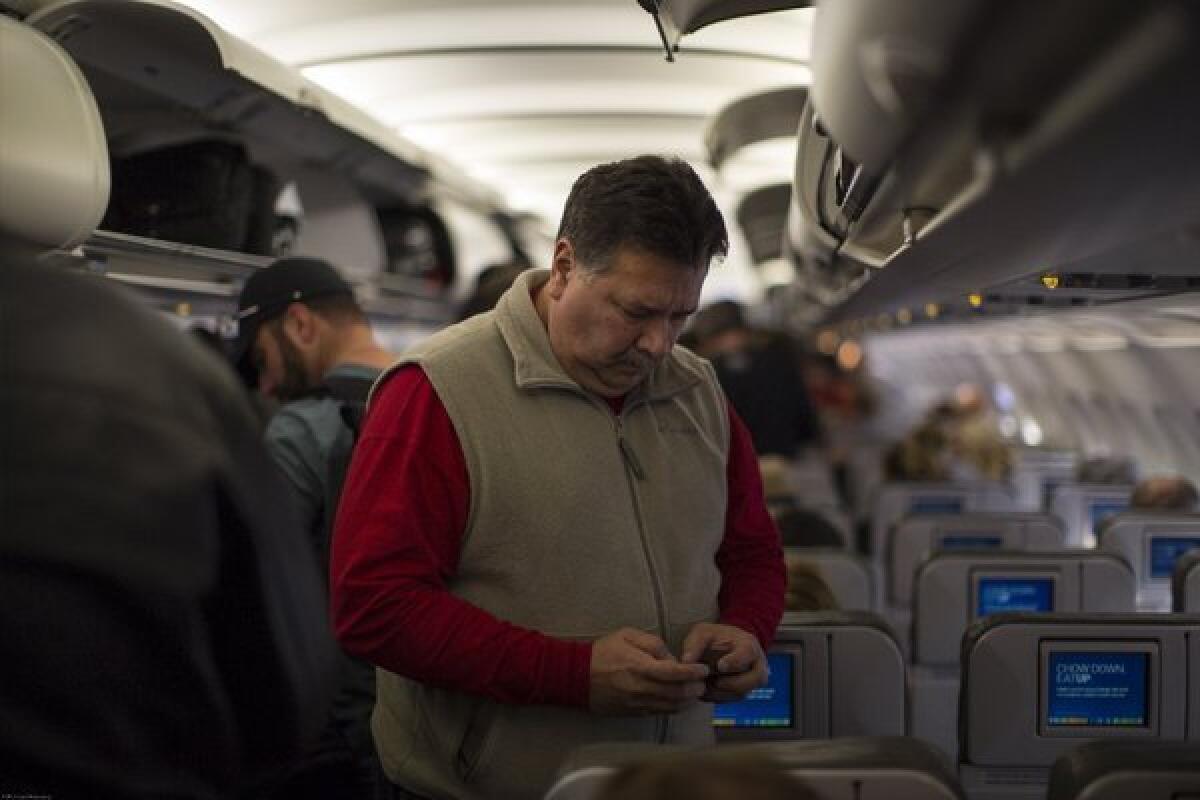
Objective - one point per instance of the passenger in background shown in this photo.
(553, 519)
(306, 343)
(163, 622)
(705, 775)
(959, 440)
(1164, 493)
(807, 589)
(760, 373)
(798, 527)
(978, 451)
(920, 456)
(492, 282)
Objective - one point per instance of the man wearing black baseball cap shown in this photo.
(304, 341)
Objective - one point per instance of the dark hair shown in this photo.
(649, 202)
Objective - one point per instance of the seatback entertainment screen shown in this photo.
(936, 505)
(1166, 550)
(970, 541)
(1103, 509)
(1014, 593)
(1097, 688)
(768, 707)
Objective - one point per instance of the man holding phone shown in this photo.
(553, 531)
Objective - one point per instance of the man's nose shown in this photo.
(656, 338)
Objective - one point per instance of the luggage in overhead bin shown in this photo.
(201, 193)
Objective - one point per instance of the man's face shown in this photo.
(608, 330)
(281, 372)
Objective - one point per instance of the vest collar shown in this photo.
(535, 365)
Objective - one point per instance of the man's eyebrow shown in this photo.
(638, 307)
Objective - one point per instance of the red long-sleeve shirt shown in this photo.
(400, 522)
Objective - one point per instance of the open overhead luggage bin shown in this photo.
(957, 147)
(175, 90)
(677, 18)
(755, 118)
(163, 74)
(761, 215)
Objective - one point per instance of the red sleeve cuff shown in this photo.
(576, 678)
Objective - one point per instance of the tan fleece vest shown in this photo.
(580, 523)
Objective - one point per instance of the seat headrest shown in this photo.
(54, 177)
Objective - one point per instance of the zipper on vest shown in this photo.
(628, 453)
(635, 467)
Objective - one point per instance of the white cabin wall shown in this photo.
(1121, 397)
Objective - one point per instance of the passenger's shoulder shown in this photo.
(306, 414)
(457, 339)
(693, 366)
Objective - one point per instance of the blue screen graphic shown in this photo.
(1097, 690)
(1105, 509)
(1166, 550)
(1015, 594)
(970, 541)
(768, 707)
(936, 505)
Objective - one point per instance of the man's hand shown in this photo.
(634, 673)
(737, 661)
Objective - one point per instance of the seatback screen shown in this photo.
(936, 505)
(1097, 689)
(767, 707)
(1166, 550)
(1105, 508)
(970, 541)
(998, 594)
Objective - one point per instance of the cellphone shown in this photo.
(713, 654)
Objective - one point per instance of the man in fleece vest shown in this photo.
(553, 531)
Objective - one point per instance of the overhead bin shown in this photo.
(206, 133)
(677, 18)
(955, 147)
(755, 118)
(811, 241)
(163, 74)
(761, 215)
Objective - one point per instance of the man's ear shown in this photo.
(562, 268)
(300, 325)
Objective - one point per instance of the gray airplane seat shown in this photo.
(833, 673)
(1122, 770)
(846, 574)
(953, 589)
(1152, 541)
(1038, 472)
(1185, 583)
(914, 538)
(895, 501)
(917, 537)
(54, 169)
(893, 767)
(1036, 686)
(1083, 507)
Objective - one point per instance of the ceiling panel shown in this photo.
(527, 95)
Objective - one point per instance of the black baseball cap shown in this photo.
(269, 291)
